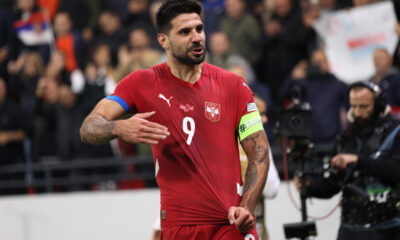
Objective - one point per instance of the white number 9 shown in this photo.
(190, 131)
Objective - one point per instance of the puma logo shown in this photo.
(164, 98)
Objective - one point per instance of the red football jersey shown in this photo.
(197, 167)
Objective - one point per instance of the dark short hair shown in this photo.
(171, 9)
(380, 101)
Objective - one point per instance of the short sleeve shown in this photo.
(124, 92)
(246, 102)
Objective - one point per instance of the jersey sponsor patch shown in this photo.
(251, 107)
(163, 214)
(212, 111)
(186, 107)
(249, 124)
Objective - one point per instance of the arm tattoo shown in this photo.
(97, 130)
(259, 150)
(256, 148)
(251, 176)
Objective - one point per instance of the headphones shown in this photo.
(380, 101)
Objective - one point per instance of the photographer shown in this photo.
(366, 169)
(325, 93)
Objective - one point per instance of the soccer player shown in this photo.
(192, 113)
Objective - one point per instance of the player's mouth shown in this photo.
(198, 50)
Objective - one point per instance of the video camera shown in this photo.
(295, 124)
(296, 120)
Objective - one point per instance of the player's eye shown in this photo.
(184, 31)
(199, 28)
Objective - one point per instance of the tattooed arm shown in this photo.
(103, 124)
(256, 148)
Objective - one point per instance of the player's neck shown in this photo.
(187, 73)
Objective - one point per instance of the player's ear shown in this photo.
(163, 40)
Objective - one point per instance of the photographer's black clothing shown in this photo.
(371, 187)
(390, 85)
(345, 233)
(327, 96)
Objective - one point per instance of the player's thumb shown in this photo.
(231, 215)
(145, 115)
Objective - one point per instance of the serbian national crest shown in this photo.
(212, 111)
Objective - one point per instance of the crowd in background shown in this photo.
(47, 87)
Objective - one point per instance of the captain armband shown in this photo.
(249, 124)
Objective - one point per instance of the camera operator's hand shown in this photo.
(341, 161)
(297, 183)
(299, 71)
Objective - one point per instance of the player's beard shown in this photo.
(184, 56)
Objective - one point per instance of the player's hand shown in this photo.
(138, 129)
(241, 218)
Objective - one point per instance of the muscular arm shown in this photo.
(99, 125)
(256, 148)
(103, 124)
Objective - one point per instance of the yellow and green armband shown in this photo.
(249, 124)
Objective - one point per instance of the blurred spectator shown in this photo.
(68, 121)
(138, 14)
(50, 6)
(213, 11)
(6, 35)
(286, 44)
(97, 86)
(57, 69)
(67, 41)
(84, 14)
(12, 135)
(325, 93)
(221, 54)
(24, 77)
(111, 33)
(12, 129)
(102, 59)
(31, 30)
(138, 55)
(153, 9)
(45, 120)
(386, 76)
(243, 30)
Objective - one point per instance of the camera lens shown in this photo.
(296, 122)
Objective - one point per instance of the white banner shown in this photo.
(351, 36)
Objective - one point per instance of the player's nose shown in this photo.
(197, 37)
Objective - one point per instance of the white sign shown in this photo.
(352, 35)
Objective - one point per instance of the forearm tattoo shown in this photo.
(257, 153)
(97, 130)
